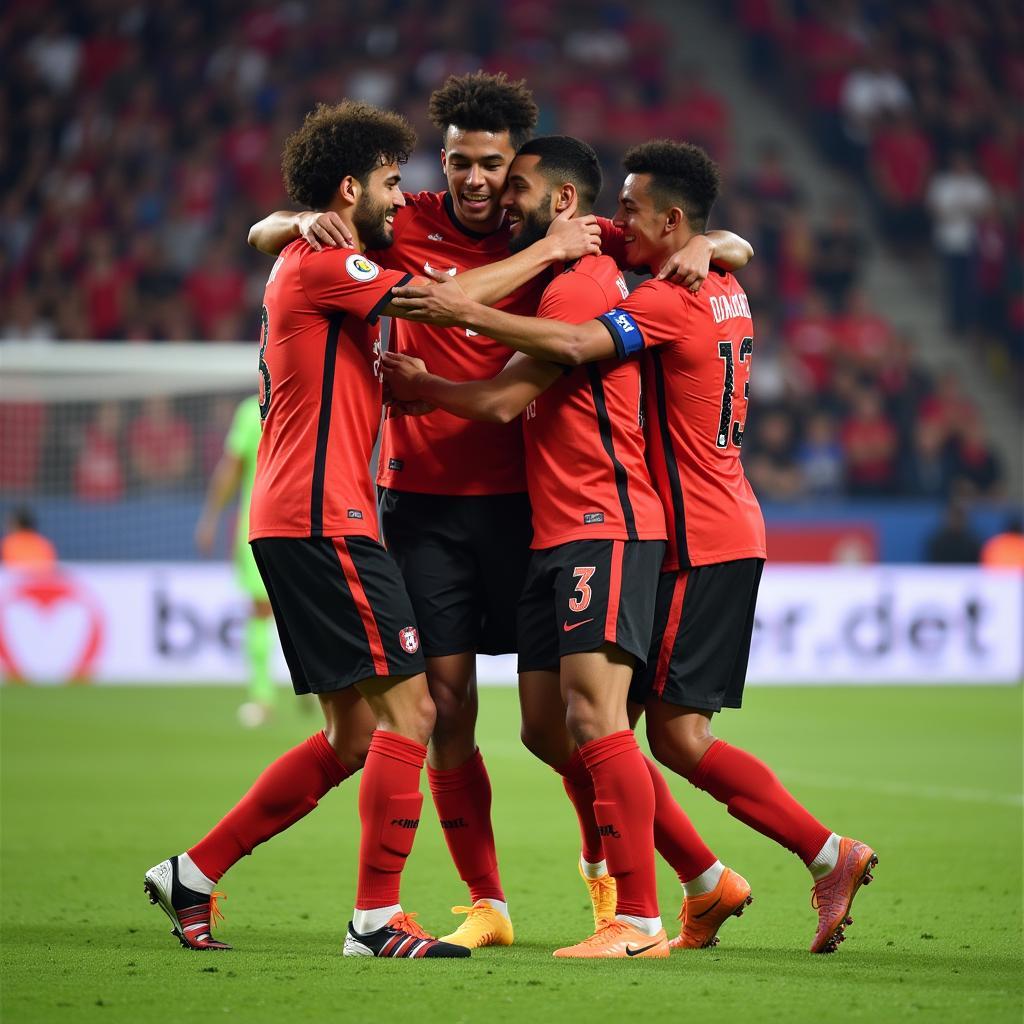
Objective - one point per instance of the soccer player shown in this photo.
(454, 509)
(233, 476)
(697, 352)
(345, 620)
(586, 609)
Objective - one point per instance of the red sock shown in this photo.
(624, 809)
(462, 797)
(286, 791)
(389, 808)
(753, 794)
(675, 838)
(579, 787)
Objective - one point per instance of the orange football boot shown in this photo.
(703, 915)
(617, 940)
(602, 896)
(832, 896)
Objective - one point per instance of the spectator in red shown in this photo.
(863, 337)
(947, 405)
(106, 284)
(160, 445)
(870, 441)
(811, 338)
(215, 290)
(99, 470)
(901, 163)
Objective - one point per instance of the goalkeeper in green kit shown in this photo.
(233, 475)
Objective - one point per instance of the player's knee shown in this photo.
(350, 748)
(586, 721)
(679, 750)
(455, 707)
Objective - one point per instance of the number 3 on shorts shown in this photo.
(582, 574)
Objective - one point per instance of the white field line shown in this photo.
(903, 789)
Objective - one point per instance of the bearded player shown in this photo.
(454, 509)
(697, 350)
(586, 610)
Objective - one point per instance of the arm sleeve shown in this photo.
(652, 315)
(343, 279)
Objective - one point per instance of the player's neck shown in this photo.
(346, 214)
(670, 245)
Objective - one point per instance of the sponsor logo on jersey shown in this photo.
(360, 268)
(354, 513)
(396, 464)
(409, 638)
(589, 518)
(451, 271)
(620, 283)
(435, 237)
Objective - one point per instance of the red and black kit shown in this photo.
(341, 609)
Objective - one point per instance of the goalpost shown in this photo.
(110, 445)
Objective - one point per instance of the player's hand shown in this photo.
(206, 534)
(573, 237)
(324, 230)
(690, 265)
(401, 376)
(442, 303)
(409, 409)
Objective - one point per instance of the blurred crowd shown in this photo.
(922, 103)
(142, 140)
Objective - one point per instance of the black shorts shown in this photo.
(464, 560)
(341, 610)
(701, 641)
(581, 595)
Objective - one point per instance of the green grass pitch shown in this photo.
(98, 784)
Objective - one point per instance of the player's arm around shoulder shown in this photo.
(690, 265)
(443, 302)
(498, 400)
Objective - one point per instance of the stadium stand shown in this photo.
(143, 140)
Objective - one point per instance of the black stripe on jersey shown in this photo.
(604, 425)
(374, 315)
(678, 511)
(323, 427)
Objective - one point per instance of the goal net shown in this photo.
(110, 446)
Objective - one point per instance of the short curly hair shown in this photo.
(681, 175)
(338, 140)
(480, 102)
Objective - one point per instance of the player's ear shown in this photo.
(444, 161)
(673, 219)
(349, 189)
(567, 198)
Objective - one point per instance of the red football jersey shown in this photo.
(440, 453)
(584, 444)
(320, 394)
(696, 385)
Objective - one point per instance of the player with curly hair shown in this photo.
(454, 508)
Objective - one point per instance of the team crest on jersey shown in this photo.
(360, 268)
(409, 638)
